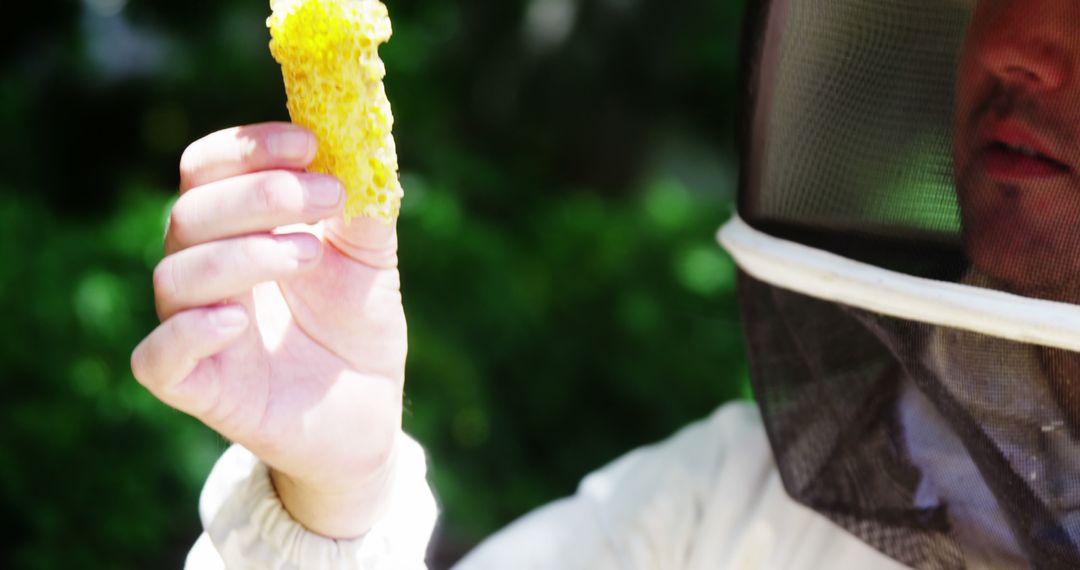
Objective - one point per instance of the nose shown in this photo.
(1020, 57)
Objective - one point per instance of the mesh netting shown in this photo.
(848, 73)
(938, 138)
(898, 122)
(941, 448)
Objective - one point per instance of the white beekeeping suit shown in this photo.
(908, 240)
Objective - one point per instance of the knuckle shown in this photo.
(267, 196)
(249, 146)
(248, 248)
(252, 252)
(246, 153)
(189, 164)
(277, 193)
(181, 219)
(164, 278)
(211, 268)
(138, 364)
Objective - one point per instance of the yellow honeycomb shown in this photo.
(328, 51)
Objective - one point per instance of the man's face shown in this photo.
(1017, 144)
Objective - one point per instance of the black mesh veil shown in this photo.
(850, 122)
(909, 250)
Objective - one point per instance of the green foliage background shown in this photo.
(565, 172)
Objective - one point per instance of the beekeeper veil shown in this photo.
(908, 237)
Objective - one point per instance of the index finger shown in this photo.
(243, 150)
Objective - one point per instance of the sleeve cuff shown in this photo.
(251, 529)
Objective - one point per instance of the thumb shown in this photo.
(369, 241)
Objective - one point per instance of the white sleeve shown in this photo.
(247, 527)
(647, 509)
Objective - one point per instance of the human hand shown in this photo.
(281, 326)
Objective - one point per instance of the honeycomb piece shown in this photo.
(328, 52)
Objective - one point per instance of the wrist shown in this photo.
(340, 514)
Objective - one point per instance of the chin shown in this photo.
(1021, 268)
(1025, 237)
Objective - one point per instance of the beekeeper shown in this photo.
(908, 237)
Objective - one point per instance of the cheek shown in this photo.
(970, 82)
(972, 76)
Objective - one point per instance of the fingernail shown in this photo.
(305, 249)
(325, 192)
(229, 317)
(290, 145)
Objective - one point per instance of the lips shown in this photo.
(1011, 151)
